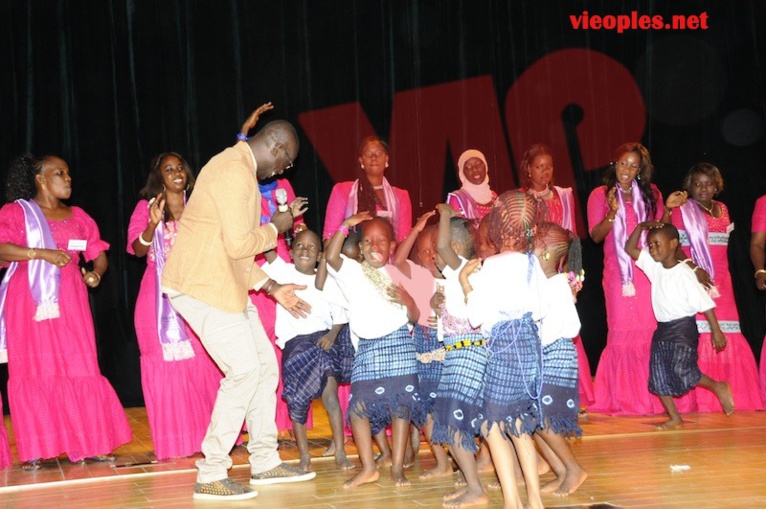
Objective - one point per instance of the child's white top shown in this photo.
(420, 285)
(325, 304)
(561, 320)
(454, 300)
(501, 291)
(676, 293)
(371, 314)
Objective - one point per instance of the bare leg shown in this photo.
(721, 390)
(412, 446)
(335, 416)
(443, 466)
(525, 449)
(552, 460)
(573, 476)
(483, 458)
(473, 493)
(674, 420)
(363, 439)
(400, 434)
(299, 431)
(502, 457)
(381, 440)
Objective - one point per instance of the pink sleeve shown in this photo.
(597, 207)
(660, 208)
(95, 244)
(12, 229)
(759, 215)
(454, 202)
(404, 219)
(336, 211)
(138, 223)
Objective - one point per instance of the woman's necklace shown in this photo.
(709, 210)
(542, 195)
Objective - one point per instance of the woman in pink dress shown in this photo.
(558, 206)
(704, 225)
(5, 447)
(372, 192)
(474, 199)
(267, 310)
(60, 402)
(758, 257)
(180, 381)
(627, 198)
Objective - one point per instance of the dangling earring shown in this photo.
(546, 255)
(361, 166)
(386, 165)
(163, 188)
(638, 177)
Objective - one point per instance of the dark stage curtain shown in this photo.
(108, 84)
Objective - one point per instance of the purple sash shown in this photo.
(466, 203)
(171, 329)
(44, 277)
(696, 228)
(621, 236)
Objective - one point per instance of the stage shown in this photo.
(720, 462)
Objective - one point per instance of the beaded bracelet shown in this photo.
(242, 137)
(142, 241)
(344, 230)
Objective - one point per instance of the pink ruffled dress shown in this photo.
(179, 394)
(60, 402)
(759, 225)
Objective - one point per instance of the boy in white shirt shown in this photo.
(677, 297)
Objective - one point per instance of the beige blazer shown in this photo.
(219, 234)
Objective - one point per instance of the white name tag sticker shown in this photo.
(77, 245)
(730, 228)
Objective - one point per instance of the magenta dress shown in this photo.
(555, 214)
(5, 447)
(267, 307)
(179, 394)
(60, 402)
(622, 376)
(759, 225)
(736, 363)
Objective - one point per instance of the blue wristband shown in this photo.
(242, 137)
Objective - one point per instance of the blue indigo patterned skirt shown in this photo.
(429, 372)
(459, 398)
(342, 356)
(673, 369)
(305, 369)
(384, 381)
(513, 377)
(559, 398)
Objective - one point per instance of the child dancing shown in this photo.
(384, 382)
(555, 247)
(314, 356)
(677, 297)
(505, 298)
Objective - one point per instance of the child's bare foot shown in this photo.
(363, 477)
(725, 397)
(384, 460)
(542, 467)
(670, 424)
(343, 462)
(468, 499)
(551, 486)
(437, 471)
(572, 481)
(330, 451)
(493, 486)
(454, 494)
(398, 478)
(485, 464)
(305, 463)
(409, 458)
(460, 480)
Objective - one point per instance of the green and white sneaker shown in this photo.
(282, 473)
(225, 489)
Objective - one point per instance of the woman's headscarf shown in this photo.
(481, 193)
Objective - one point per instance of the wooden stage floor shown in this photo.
(628, 464)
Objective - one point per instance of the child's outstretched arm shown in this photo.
(716, 334)
(321, 275)
(334, 247)
(631, 246)
(444, 244)
(403, 250)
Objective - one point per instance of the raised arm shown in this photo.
(253, 119)
(444, 242)
(674, 200)
(334, 247)
(403, 250)
(631, 246)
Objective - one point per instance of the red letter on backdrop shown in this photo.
(613, 111)
(425, 123)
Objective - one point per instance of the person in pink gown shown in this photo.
(371, 192)
(179, 379)
(267, 307)
(627, 198)
(758, 257)
(59, 401)
(474, 199)
(558, 206)
(704, 226)
(5, 447)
